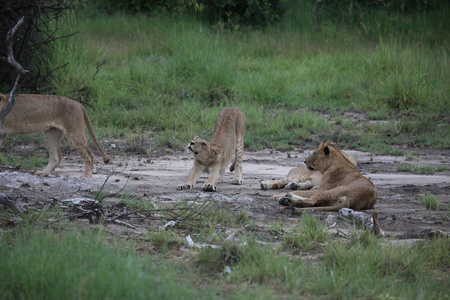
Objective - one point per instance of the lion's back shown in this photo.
(229, 128)
(41, 113)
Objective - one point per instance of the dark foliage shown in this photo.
(225, 12)
(249, 12)
(32, 40)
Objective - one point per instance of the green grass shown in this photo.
(31, 162)
(416, 169)
(154, 82)
(393, 271)
(308, 234)
(165, 79)
(65, 263)
(430, 201)
(38, 263)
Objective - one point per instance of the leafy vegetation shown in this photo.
(32, 40)
(39, 263)
(430, 201)
(416, 169)
(294, 85)
(32, 162)
(308, 234)
(153, 81)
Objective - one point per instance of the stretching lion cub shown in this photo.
(300, 178)
(54, 116)
(213, 157)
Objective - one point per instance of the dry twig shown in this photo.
(22, 72)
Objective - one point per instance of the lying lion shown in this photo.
(213, 157)
(341, 186)
(299, 178)
(55, 116)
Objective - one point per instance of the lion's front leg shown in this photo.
(290, 199)
(52, 139)
(210, 183)
(194, 173)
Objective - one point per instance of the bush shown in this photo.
(237, 12)
(227, 13)
(32, 40)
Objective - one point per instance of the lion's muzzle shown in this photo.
(189, 147)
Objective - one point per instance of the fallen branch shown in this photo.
(93, 210)
(12, 204)
(10, 168)
(110, 220)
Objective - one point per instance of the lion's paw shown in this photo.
(209, 188)
(41, 173)
(278, 197)
(185, 187)
(237, 182)
(264, 185)
(285, 201)
(292, 186)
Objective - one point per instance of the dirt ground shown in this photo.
(400, 210)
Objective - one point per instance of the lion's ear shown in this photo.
(216, 149)
(326, 150)
(2, 97)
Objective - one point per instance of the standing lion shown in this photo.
(55, 116)
(213, 157)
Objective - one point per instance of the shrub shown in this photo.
(227, 13)
(33, 38)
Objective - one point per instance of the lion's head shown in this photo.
(326, 155)
(204, 150)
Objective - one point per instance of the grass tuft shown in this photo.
(308, 234)
(430, 201)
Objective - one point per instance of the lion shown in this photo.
(213, 157)
(299, 178)
(55, 116)
(341, 186)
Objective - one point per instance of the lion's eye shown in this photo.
(203, 144)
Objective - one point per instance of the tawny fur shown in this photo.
(299, 178)
(341, 186)
(55, 116)
(213, 157)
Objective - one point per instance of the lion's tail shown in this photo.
(93, 138)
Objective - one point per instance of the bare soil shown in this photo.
(400, 210)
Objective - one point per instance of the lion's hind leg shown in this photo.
(300, 185)
(78, 139)
(52, 139)
(275, 184)
(237, 163)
